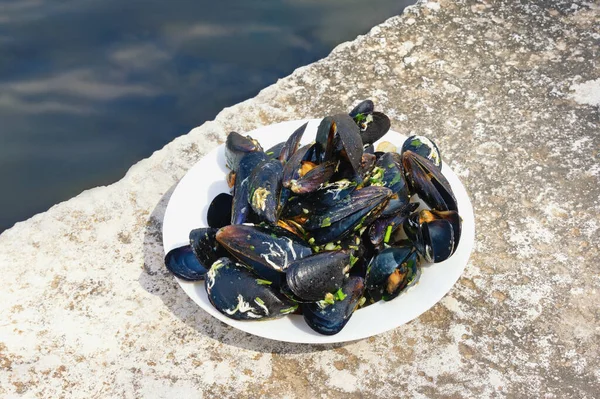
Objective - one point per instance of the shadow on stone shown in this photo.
(158, 281)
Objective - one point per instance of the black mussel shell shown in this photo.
(275, 151)
(219, 211)
(268, 252)
(426, 180)
(311, 278)
(236, 146)
(360, 209)
(330, 319)
(365, 107)
(325, 197)
(314, 178)
(424, 147)
(382, 229)
(435, 234)
(377, 125)
(239, 294)
(369, 149)
(184, 264)
(350, 138)
(292, 143)
(388, 173)
(323, 147)
(241, 208)
(291, 169)
(265, 189)
(205, 245)
(397, 205)
(390, 272)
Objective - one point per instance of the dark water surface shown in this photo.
(89, 87)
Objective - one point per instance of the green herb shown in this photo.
(340, 296)
(362, 301)
(259, 301)
(388, 234)
(353, 260)
(360, 117)
(329, 246)
(273, 235)
(416, 143)
(263, 282)
(326, 222)
(289, 310)
(270, 153)
(311, 241)
(252, 247)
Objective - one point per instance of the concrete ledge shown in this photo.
(511, 93)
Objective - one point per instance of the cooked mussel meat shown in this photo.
(265, 189)
(241, 208)
(390, 271)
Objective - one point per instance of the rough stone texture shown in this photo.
(510, 91)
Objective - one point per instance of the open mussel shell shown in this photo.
(365, 107)
(435, 234)
(205, 245)
(373, 127)
(236, 146)
(339, 135)
(390, 271)
(292, 143)
(382, 229)
(239, 294)
(314, 178)
(219, 211)
(359, 209)
(275, 151)
(265, 189)
(311, 278)
(241, 208)
(183, 263)
(331, 319)
(388, 173)
(268, 252)
(426, 180)
(424, 147)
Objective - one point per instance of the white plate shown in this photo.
(187, 210)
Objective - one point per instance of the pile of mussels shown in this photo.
(316, 230)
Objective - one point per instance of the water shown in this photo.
(89, 87)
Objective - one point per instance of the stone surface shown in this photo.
(509, 90)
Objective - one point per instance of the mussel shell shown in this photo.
(435, 234)
(236, 146)
(275, 151)
(314, 178)
(376, 128)
(424, 147)
(205, 245)
(312, 277)
(331, 319)
(392, 175)
(265, 189)
(292, 143)
(385, 226)
(426, 180)
(268, 252)
(365, 107)
(397, 205)
(241, 206)
(323, 147)
(360, 209)
(325, 197)
(184, 264)
(350, 138)
(291, 169)
(390, 271)
(237, 293)
(219, 211)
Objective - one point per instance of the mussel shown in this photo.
(268, 252)
(219, 211)
(240, 210)
(330, 318)
(426, 180)
(237, 293)
(390, 271)
(424, 147)
(265, 188)
(313, 277)
(236, 146)
(435, 234)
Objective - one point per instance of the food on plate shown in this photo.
(322, 229)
